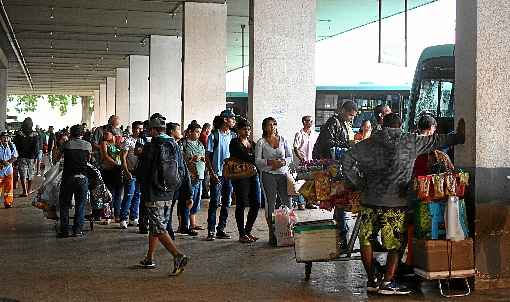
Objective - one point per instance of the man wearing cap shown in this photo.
(8, 155)
(221, 188)
(77, 154)
(158, 200)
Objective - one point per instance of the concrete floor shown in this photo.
(35, 266)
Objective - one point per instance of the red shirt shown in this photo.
(203, 139)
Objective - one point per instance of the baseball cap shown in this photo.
(227, 113)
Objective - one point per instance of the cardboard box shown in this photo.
(436, 255)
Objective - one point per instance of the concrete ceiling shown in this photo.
(70, 46)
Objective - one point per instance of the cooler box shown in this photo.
(436, 255)
(316, 241)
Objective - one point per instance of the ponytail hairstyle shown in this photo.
(266, 122)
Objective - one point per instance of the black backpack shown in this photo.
(167, 171)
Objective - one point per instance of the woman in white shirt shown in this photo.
(272, 157)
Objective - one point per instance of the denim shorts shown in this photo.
(158, 220)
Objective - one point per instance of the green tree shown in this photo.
(25, 103)
(62, 102)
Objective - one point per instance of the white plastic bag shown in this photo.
(454, 230)
(285, 219)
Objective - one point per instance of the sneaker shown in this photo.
(179, 263)
(79, 234)
(210, 236)
(123, 224)
(393, 288)
(147, 263)
(372, 286)
(133, 222)
(192, 232)
(223, 235)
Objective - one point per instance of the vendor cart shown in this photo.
(326, 246)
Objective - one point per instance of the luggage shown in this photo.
(316, 241)
(443, 255)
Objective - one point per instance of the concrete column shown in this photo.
(86, 113)
(282, 63)
(138, 88)
(110, 96)
(166, 77)
(482, 97)
(97, 108)
(3, 98)
(102, 104)
(122, 95)
(4, 65)
(204, 60)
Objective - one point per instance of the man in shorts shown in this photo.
(385, 161)
(157, 197)
(27, 144)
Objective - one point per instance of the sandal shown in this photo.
(253, 238)
(245, 239)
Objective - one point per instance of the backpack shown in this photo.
(167, 171)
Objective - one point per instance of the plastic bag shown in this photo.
(438, 184)
(450, 184)
(285, 219)
(424, 187)
(308, 190)
(322, 185)
(453, 216)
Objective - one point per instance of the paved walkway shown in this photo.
(35, 266)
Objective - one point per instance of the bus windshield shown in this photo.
(436, 97)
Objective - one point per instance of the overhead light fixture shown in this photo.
(116, 35)
(51, 33)
(126, 19)
(107, 47)
(52, 15)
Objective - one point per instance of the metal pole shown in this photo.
(380, 29)
(405, 35)
(243, 26)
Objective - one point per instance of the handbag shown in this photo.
(235, 169)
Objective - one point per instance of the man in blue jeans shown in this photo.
(131, 201)
(77, 153)
(221, 188)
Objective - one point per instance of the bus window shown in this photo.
(446, 107)
(428, 99)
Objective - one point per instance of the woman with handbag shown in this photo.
(273, 156)
(246, 183)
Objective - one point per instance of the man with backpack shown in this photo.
(8, 155)
(221, 187)
(27, 143)
(162, 172)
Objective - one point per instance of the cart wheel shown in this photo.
(308, 270)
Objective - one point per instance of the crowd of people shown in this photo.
(157, 167)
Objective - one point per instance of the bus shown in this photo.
(433, 88)
(330, 98)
